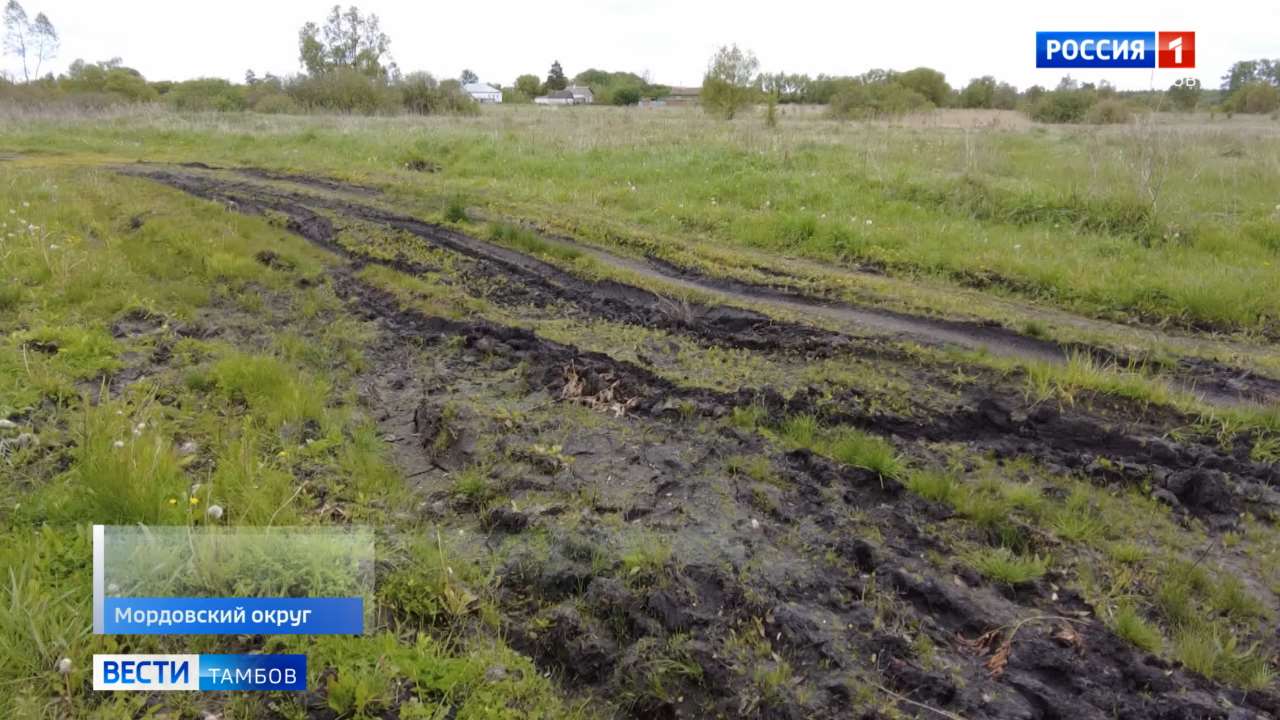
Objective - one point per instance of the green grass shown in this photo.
(261, 417)
(1003, 565)
(1129, 624)
(938, 486)
(859, 449)
(1064, 216)
(528, 241)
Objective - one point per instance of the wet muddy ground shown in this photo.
(654, 551)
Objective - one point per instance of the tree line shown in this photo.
(732, 83)
(348, 67)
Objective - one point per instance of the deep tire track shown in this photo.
(1202, 479)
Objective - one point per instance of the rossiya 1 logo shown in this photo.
(1127, 49)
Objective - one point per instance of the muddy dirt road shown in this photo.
(657, 552)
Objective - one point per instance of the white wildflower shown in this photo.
(64, 665)
(214, 512)
(118, 444)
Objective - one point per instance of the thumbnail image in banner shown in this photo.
(216, 580)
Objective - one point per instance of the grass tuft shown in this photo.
(1003, 565)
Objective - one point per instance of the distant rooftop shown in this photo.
(477, 87)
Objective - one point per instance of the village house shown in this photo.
(559, 97)
(581, 94)
(483, 93)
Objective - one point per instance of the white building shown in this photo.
(484, 93)
(581, 94)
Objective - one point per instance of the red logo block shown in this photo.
(1176, 50)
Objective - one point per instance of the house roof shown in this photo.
(476, 87)
(578, 88)
(560, 94)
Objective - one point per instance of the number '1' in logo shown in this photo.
(1177, 49)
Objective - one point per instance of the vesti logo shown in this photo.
(153, 673)
(1072, 49)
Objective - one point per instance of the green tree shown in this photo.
(1246, 72)
(728, 85)
(1184, 96)
(1254, 97)
(468, 77)
(556, 79)
(348, 40)
(1006, 97)
(529, 85)
(928, 82)
(979, 93)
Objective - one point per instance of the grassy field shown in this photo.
(599, 492)
(1172, 221)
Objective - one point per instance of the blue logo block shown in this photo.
(1095, 49)
(253, 672)
(159, 673)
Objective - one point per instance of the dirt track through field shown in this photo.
(1212, 382)
(1209, 482)
(825, 573)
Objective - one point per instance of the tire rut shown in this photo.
(1199, 478)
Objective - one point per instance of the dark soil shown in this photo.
(813, 595)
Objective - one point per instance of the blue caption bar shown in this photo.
(234, 616)
(253, 672)
(1085, 49)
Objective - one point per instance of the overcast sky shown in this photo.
(672, 40)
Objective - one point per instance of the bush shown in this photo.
(1109, 112)
(1260, 98)
(626, 96)
(864, 100)
(110, 78)
(206, 94)
(344, 90)
(1062, 106)
(280, 104)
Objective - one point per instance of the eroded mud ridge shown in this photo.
(636, 563)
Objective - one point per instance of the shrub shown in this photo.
(1109, 112)
(344, 90)
(1259, 97)
(277, 105)
(206, 94)
(1062, 106)
(626, 96)
(863, 100)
